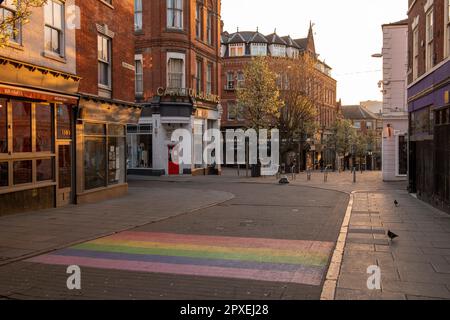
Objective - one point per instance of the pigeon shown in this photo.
(391, 235)
(396, 203)
(284, 181)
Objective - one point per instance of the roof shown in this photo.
(403, 22)
(302, 43)
(358, 112)
(275, 39)
(290, 42)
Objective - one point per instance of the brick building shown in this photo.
(105, 62)
(177, 82)
(428, 100)
(239, 48)
(66, 96)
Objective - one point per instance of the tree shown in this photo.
(343, 137)
(259, 95)
(298, 117)
(22, 11)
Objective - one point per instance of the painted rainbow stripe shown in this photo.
(292, 261)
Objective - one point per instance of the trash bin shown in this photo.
(256, 170)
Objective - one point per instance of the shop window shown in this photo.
(3, 127)
(44, 128)
(116, 130)
(95, 162)
(64, 120)
(64, 167)
(23, 172)
(21, 126)
(402, 155)
(44, 170)
(116, 160)
(4, 174)
(140, 147)
(94, 129)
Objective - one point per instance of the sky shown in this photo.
(346, 34)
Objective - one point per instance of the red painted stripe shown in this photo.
(308, 278)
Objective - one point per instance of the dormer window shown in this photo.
(237, 50)
(259, 49)
(278, 50)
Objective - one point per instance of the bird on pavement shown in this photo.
(391, 235)
(396, 203)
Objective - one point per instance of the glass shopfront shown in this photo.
(140, 146)
(104, 155)
(3, 127)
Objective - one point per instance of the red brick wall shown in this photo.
(120, 20)
(155, 40)
(439, 34)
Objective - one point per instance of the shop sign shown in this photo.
(187, 92)
(37, 95)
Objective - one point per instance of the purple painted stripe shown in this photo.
(312, 277)
(189, 261)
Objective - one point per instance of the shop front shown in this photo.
(36, 150)
(101, 149)
(151, 150)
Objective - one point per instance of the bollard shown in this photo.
(354, 174)
(325, 176)
(308, 174)
(239, 170)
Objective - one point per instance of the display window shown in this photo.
(140, 147)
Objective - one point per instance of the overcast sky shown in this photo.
(347, 33)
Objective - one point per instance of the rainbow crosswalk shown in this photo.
(292, 261)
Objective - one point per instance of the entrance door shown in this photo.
(174, 167)
(64, 192)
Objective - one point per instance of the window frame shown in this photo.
(139, 76)
(429, 37)
(52, 27)
(172, 11)
(16, 30)
(235, 49)
(138, 12)
(107, 62)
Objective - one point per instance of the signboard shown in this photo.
(10, 91)
(188, 92)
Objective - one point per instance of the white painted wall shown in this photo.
(395, 64)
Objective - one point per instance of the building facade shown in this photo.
(62, 126)
(177, 83)
(365, 123)
(395, 112)
(428, 100)
(105, 63)
(238, 49)
(38, 96)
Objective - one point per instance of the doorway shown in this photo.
(174, 167)
(64, 194)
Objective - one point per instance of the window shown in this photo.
(209, 27)
(258, 49)
(4, 176)
(429, 39)
(240, 79)
(402, 155)
(230, 81)
(64, 167)
(237, 50)
(209, 75)
(278, 50)
(13, 31)
(199, 21)
(3, 126)
(198, 76)
(21, 118)
(139, 78)
(140, 147)
(137, 15)
(104, 61)
(175, 14)
(235, 111)
(94, 156)
(54, 24)
(448, 27)
(44, 128)
(116, 154)
(23, 172)
(357, 124)
(175, 74)
(415, 53)
(64, 122)
(369, 125)
(44, 170)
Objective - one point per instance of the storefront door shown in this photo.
(64, 187)
(174, 167)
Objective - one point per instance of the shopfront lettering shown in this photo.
(187, 92)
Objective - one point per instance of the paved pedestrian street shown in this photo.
(267, 242)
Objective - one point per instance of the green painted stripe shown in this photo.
(302, 260)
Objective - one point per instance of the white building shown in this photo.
(395, 112)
